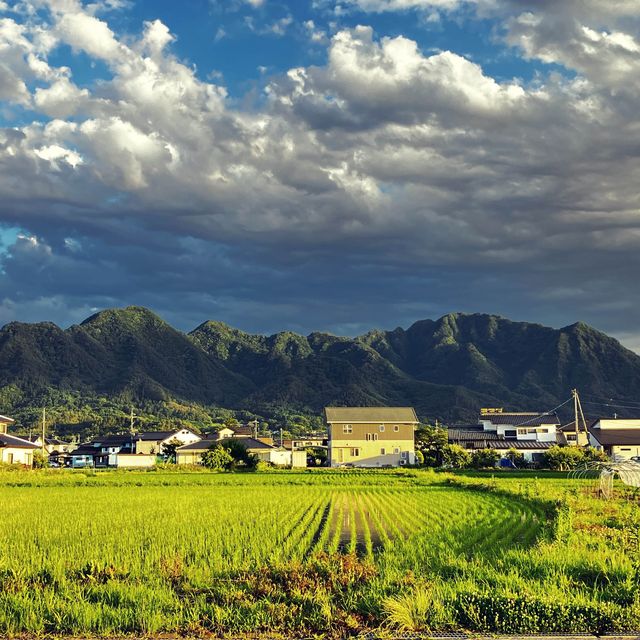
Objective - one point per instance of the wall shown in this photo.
(135, 461)
(20, 456)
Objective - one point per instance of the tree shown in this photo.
(563, 458)
(217, 457)
(239, 453)
(484, 458)
(419, 457)
(169, 450)
(430, 441)
(455, 456)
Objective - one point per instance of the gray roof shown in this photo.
(528, 419)
(204, 445)
(17, 443)
(371, 414)
(475, 434)
(155, 436)
(616, 436)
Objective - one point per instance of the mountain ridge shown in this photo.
(447, 368)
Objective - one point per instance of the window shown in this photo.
(510, 433)
(383, 451)
(371, 436)
(355, 453)
(10, 458)
(381, 428)
(396, 428)
(405, 454)
(396, 450)
(625, 448)
(347, 428)
(543, 430)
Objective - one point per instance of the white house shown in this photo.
(14, 450)
(529, 433)
(618, 438)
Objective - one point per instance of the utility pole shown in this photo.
(132, 417)
(582, 437)
(44, 427)
(255, 429)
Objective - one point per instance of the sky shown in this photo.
(331, 165)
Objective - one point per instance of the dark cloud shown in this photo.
(386, 186)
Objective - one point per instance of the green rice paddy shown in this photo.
(325, 553)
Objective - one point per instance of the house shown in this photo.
(154, 442)
(619, 438)
(192, 453)
(14, 450)
(305, 442)
(530, 433)
(371, 436)
(81, 457)
(52, 445)
(107, 449)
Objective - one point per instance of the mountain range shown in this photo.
(446, 368)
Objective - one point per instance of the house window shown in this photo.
(510, 433)
(355, 453)
(522, 432)
(405, 454)
(347, 428)
(383, 451)
(381, 428)
(396, 428)
(625, 448)
(543, 430)
(371, 436)
(396, 450)
(10, 458)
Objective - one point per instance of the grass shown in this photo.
(326, 553)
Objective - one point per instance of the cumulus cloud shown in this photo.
(386, 171)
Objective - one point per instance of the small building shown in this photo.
(371, 436)
(16, 450)
(192, 453)
(619, 438)
(155, 442)
(81, 457)
(52, 445)
(305, 442)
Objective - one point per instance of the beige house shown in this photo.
(371, 436)
(192, 453)
(618, 438)
(154, 442)
(14, 450)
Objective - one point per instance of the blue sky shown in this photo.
(321, 164)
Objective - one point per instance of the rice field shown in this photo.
(331, 553)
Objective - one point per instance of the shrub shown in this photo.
(484, 458)
(455, 456)
(217, 458)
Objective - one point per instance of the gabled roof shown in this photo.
(155, 436)
(616, 436)
(525, 419)
(204, 445)
(371, 414)
(84, 450)
(18, 443)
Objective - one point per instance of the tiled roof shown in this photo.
(155, 436)
(477, 434)
(204, 445)
(616, 436)
(84, 450)
(518, 444)
(371, 414)
(18, 443)
(521, 419)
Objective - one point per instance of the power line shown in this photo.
(546, 413)
(613, 406)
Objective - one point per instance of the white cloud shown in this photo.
(385, 153)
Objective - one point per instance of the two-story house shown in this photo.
(371, 436)
(530, 433)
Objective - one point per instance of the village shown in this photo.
(368, 437)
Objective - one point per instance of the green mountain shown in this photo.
(447, 368)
